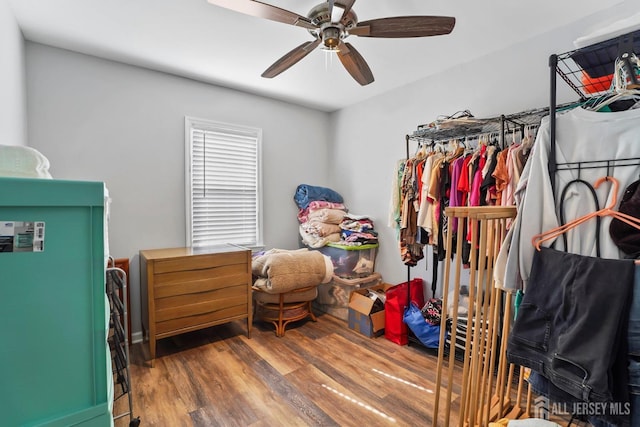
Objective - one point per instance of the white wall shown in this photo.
(13, 114)
(370, 137)
(101, 120)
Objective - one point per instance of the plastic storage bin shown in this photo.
(333, 297)
(351, 262)
(54, 343)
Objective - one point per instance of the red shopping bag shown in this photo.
(397, 300)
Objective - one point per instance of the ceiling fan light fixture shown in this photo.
(331, 37)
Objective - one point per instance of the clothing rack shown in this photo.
(587, 70)
(469, 127)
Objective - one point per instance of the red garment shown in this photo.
(463, 181)
(419, 172)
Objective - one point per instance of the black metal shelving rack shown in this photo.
(116, 284)
(586, 71)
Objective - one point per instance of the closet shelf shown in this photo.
(589, 70)
(469, 127)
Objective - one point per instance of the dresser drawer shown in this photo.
(197, 262)
(170, 284)
(184, 324)
(199, 303)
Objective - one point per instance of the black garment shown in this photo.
(443, 223)
(625, 236)
(489, 180)
(611, 416)
(571, 324)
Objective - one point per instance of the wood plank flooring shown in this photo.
(319, 374)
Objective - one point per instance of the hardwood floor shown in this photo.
(319, 373)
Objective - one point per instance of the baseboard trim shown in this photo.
(136, 337)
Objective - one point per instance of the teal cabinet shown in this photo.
(54, 364)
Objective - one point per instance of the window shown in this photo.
(224, 203)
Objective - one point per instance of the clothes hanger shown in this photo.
(538, 239)
(421, 152)
(457, 151)
(468, 143)
(514, 137)
(527, 141)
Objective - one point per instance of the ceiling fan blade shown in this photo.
(335, 11)
(290, 59)
(348, 4)
(405, 26)
(266, 11)
(355, 64)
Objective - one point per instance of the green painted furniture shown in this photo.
(55, 368)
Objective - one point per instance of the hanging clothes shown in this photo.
(427, 183)
(394, 218)
(581, 136)
(411, 249)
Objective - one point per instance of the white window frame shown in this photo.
(192, 123)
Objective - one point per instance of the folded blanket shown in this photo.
(328, 216)
(23, 162)
(308, 193)
(315, 241)
(321, 204)
(320, 229)
(280, 270)
(318, 204)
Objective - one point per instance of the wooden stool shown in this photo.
(284, 308)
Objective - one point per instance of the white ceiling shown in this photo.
(195, 39)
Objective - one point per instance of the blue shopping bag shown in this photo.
(429, 335)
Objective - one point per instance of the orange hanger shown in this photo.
(607, 211)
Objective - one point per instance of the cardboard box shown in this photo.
(361, 319)
(333, 297)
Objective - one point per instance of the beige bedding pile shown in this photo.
(281, 270)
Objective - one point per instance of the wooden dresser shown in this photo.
(193, 288)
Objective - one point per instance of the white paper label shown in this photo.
(21, 236)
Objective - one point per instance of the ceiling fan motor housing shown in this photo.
(331, 32)
(320, 15)
(331, 37)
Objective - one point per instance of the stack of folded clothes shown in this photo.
(320, 212)
(357, 230)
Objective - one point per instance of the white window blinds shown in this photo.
(223, 183)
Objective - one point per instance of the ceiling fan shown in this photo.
(333, 21)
